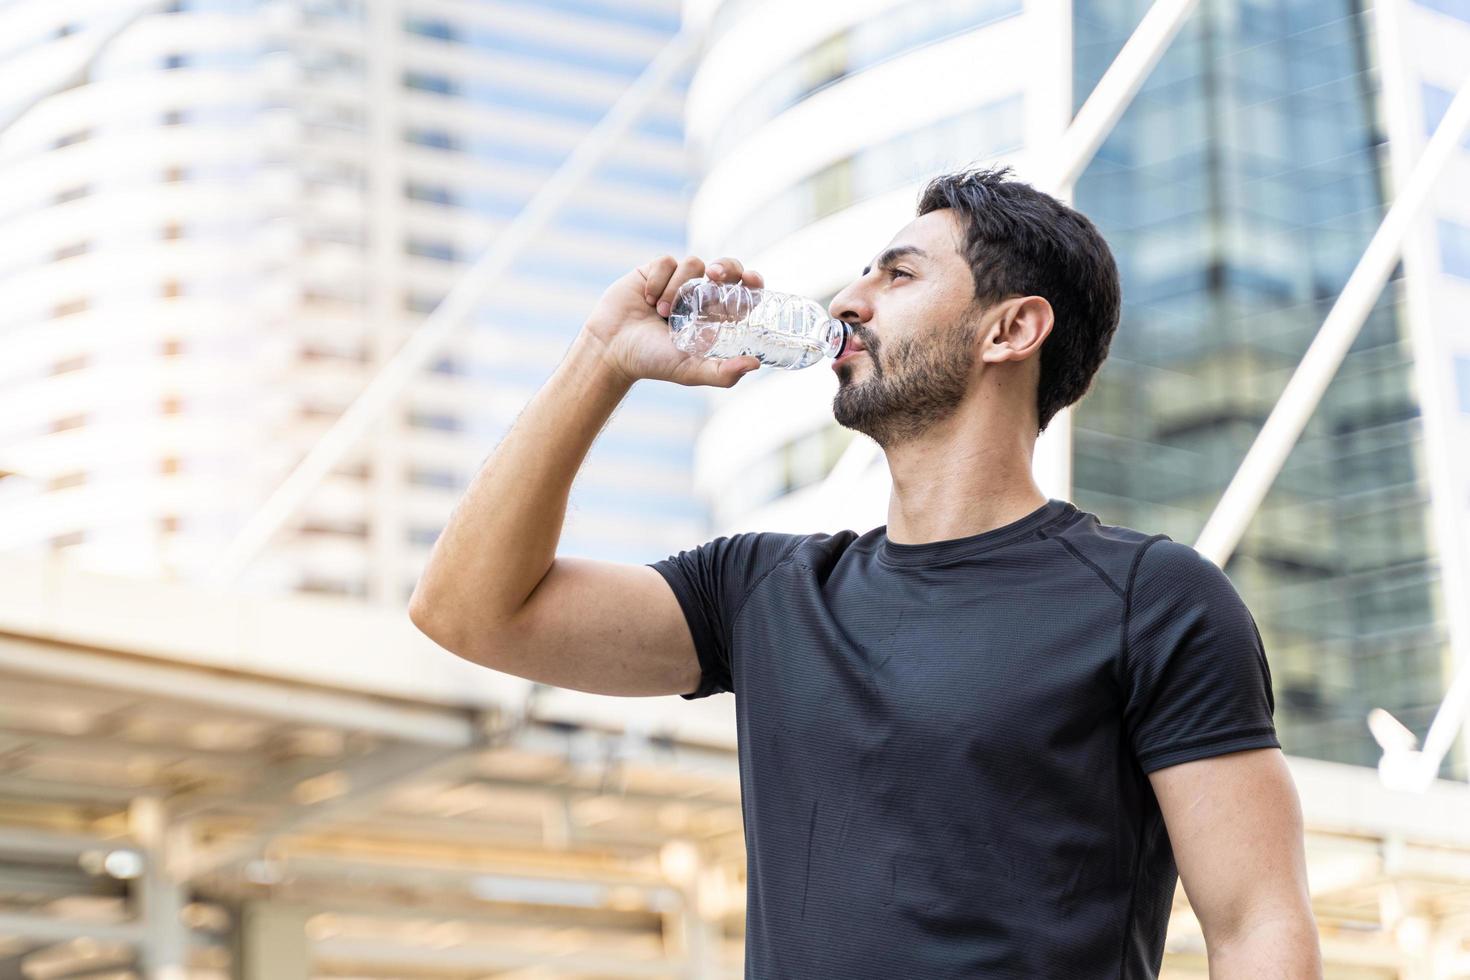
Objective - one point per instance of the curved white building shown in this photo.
(212, 241)
(816, 126)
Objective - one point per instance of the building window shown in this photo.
(424, 248)
(315, 411)
(68, 422)
(1451, 8)
(1454, 249)
(175, 61)
(173, 347)
(174, 175)
(421, 302)
(174, 117)
(68, 540)
(172, 405)
(173, 231)
(350, 529)
(70, 364)
(445, 479)
(1462, 382)
(434, 420)
(72, 251)
(171, 289)
(70, 307)
(439, 139)
(169, 524)
(331, 586)
(67, 480)
(437, 28)
(72, 194)
(432, 193)
(72, 138)
(169, 465)
(423, 81)
(425, 536)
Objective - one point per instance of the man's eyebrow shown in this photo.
(894, 254)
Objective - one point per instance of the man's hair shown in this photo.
(1022, 242)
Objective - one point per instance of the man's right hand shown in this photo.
(630, 325)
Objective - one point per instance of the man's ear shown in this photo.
(1020, 328)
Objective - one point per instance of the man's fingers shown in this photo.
(658, 272)
(691, 268)
(723, 372)
(725, 270)
(754, 279)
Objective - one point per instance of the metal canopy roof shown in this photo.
(411, 835)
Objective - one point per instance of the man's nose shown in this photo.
(850, 305)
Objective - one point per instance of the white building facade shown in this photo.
(216, 237)
(815, 128)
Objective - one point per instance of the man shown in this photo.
(976, 741)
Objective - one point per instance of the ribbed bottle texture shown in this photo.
(783, 330)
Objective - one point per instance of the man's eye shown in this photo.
(900, 272)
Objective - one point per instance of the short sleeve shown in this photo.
(711, 583)
(1196, 677)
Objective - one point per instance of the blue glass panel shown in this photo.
(1436, 102)
(1462, 382)
(607, 10)
(1455, 8)
(1454, 249)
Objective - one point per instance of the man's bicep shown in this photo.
(1235, 825)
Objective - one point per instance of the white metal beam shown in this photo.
(388, 386)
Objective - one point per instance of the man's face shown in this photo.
(914, 313)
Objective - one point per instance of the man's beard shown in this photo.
(918, 383)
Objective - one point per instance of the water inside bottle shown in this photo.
(768, 335)
(775, 349)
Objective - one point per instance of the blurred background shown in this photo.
(277, 275)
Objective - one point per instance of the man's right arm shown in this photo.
(494, 590)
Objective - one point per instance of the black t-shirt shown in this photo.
(943, 747)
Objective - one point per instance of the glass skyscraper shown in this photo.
(1239, 191)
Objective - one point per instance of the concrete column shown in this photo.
(160, 896)
(272, 943)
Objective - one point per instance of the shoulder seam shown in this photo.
(785, 557)
(1128, 603)
(1072, 550)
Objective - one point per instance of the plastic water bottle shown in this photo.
(785, 331)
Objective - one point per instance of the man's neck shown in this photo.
(958, 480)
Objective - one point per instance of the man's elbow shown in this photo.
(1283, 944)
(428, 617)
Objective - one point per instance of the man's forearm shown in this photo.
(501, 538)
(1284, 948)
